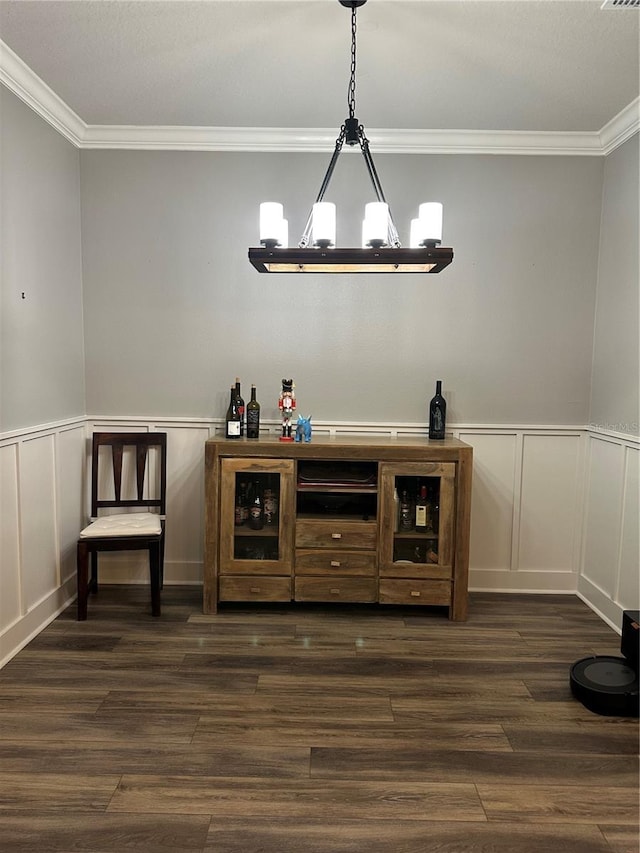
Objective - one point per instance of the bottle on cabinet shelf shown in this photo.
(406, 516)
(256, 509)
(422, 511)
(437, 413)
(270, 505)
(232, 418)
(240, 405)
(253, 415)
(241, 508)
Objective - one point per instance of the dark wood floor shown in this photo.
(313, 730)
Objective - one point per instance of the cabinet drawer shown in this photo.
(255, 589)
(420, 571)
(336, 589)
(336, 534)
(415, 592)
(325, 562)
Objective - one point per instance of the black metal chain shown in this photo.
(352, 133)
(351, 97)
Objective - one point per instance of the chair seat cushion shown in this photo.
(125, 524)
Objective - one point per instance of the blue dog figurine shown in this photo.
(303, 428)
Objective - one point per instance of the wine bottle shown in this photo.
(437, 413)
(232, 419)
(253, 415)
(256, 510)
(422, 510)
(240, 405)
(270, 504)
(406, 517)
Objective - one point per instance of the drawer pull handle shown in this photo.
(336, 535)
(335, 591)
(255, 589)
(335, 563)
(415, 593)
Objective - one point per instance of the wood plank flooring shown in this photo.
(310, 729)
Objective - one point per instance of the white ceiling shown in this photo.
(493, 66)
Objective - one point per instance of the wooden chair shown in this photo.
(126, 530)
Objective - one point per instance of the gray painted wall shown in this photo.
(616, 359)
(41, 341)
(174, 311)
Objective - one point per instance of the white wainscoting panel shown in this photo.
(550, 501)
(38, 514)
(184, 556)
(10, 609)
(41, 476)
(492, 503)
(554, 509)
(609, 578)
(70, 471)
(628, 587)
(604, 512)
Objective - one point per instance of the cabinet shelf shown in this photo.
(414, 534)
(323, 516)
(266, 532)
(336, 490)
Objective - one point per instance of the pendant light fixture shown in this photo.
(381, 249)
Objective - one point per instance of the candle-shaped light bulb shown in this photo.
(271, 213)
(283, 239)
(430, 215)
(324, 224)
(375, 227)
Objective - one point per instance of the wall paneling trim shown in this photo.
(554, 509)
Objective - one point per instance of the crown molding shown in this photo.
(23, 82)
(291, 139)
(621, 127)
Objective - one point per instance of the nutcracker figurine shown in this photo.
(287, 405)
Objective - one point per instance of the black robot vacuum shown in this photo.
(606, 684)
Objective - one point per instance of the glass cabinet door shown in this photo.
(417, 519)
(256, 517)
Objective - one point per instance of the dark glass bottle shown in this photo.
(406, 515)
(270, 502)
(232, 419)
(240, 405)
(253, 415)
(437, 413)
(256, 509)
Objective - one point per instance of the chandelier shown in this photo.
(381, 250)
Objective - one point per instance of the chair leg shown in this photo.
(82, 569)
(155, 572)
(162, 562)
(93, 585)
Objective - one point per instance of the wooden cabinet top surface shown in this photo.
(342, 447)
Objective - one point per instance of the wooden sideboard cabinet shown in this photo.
(328, 525)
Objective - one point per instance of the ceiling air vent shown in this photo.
(621, 4)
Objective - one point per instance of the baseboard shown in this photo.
(18, 635)
(535, 582)
(601, 603)
(125, 569)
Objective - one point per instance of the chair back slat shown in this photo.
(141, 443)
(141, 464)
(116, 455)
